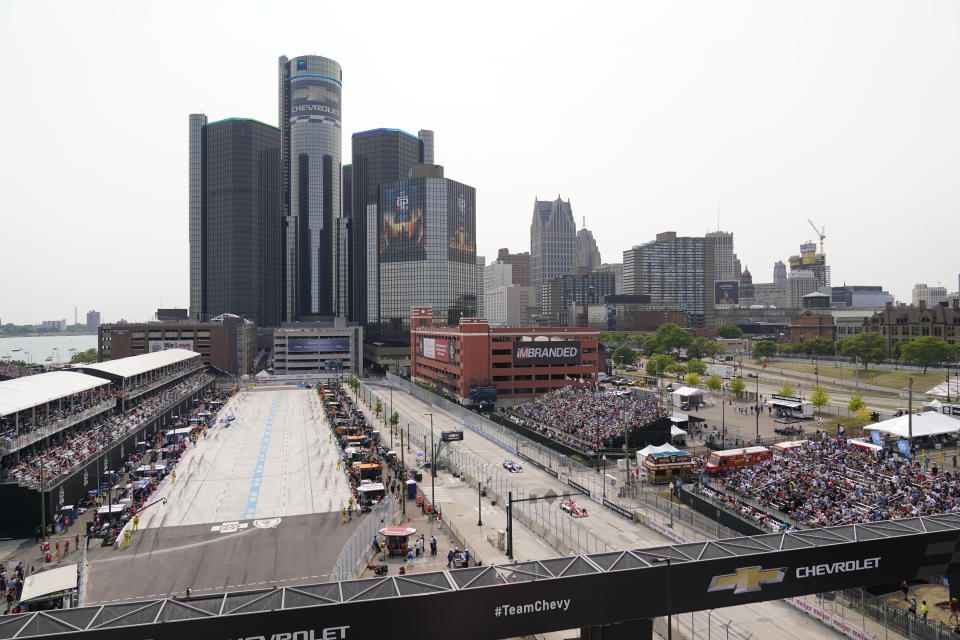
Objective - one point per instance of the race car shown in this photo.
(569, 506)
(512, 466)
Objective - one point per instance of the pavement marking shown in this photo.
(306, 452)
(202, 482)
(254, 494)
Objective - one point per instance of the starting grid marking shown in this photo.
(254, 495)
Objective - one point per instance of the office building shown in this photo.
(520, 263)
(859, 296)
(235, 220)
(902, 324)
(813, 262)
(633, 313)
(481, 264)
(563, 301)
(930, 296)
(552, 239)
(93, 320)
(723, 255)
(310, 136)
(785, 294)
(510, 306)
(421, 252)
(586, 252)
(379, 156)
(779, 271)
(616, 268)
(318, 347)
(497, 274)
(518, 362)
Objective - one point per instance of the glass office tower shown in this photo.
(310, 129)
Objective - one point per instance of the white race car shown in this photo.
(569, 506)
(512, 466)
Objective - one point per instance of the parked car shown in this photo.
(569, 506)
(751, 375)
(512, 466)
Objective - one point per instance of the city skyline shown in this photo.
(841, 114)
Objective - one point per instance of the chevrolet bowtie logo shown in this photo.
(746, 579)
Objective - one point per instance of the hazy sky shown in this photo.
(644, 114)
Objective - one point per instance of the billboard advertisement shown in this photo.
(461, 223)
(402, 221)
(163, 345)
(318, 345)
(539, 353)
(726, 292)
(316, 97)
(436, 349)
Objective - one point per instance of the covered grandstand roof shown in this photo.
(136, 365)
(31, 391)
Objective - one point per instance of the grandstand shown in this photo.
(56, 428)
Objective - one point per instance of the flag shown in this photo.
(841, 430)
(904, 447)
(877, 440)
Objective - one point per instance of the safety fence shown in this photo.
(359, 547)
(891, 618)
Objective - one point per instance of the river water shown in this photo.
(38, 349)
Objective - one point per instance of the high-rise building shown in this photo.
(379, 156)
(481, 264)
(815, 263)
(859, 296)
(310, 131)
(931, 296)
(235, 219)
(723, 255)
(586, 252)
(779, 271)
(510, 306)
(520, 263)
(565, 299)
(422, 251)
(93, 320)
(616, 268)
(552, 238)
(674, 271)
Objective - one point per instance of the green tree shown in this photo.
(856, 403)
(377, 409)
(818, 346)
(714, 383)
(692, 379)
(695, 366)
(394, 419)
(868, 347)
(605, 336)
(677, 369)
(785, 390)
(90, 355)
(670, 338)
(704, 348)
(658, 364)
(737, 386)
(863, 415)
(926, 351)
(649, 345)
(353, 382)
(791, 348)
(624, 355)
(729, 331)
(764, 349)
(819, 398)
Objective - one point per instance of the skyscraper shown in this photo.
(235, 222)
(723, 254)
(310, 105)
(520, 263)
(423, 252)
(552, 236)
(586, 252)
(481, 264)
(379, 156)
(779, 271)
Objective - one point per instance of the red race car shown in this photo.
(569, 506)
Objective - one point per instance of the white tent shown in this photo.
(929, 423)
(647, 450)
(49, 583)
(933, 405)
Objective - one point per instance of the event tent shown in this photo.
(928, 423)
(663, 448)
(49, 583)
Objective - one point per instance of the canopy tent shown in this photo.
(929, 423)
(686, 392)
(663, 448)
(677, 418)
(677, 431)
(32, 391)
(933, 405)
(49, 583)
(137, 365)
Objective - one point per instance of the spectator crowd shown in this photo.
(585, 418)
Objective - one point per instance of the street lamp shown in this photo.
(433, 464)
(603, 476)
(479, 503)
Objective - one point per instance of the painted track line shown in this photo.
(254, 494)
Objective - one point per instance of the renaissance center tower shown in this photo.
(309, 88)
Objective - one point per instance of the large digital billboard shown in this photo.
(318, 345)
(539, 353)
(461, 223)
(726, 292)
(402, 221)
(314, 96)
(163, 345)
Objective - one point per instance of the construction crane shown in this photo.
(822, 232)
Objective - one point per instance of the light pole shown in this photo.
(667, 560)
(391, 416)
(603, 476)
(479, 503)
(758, 408)
(433, 465)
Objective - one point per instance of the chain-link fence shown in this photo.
(853, 604)
(359, 548)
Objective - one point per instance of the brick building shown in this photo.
(811, 324)
(902, 324)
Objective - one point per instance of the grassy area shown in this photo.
(890, 378)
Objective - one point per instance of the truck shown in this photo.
(725, 371)
(720, 461)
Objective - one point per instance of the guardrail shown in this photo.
(359, 547)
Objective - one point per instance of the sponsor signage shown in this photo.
(726, 292)
(436, 349)
(318, 345)
(537, 353)
(403, 236)
(163, 345)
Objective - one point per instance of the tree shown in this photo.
(669, 339)
(394, 419)
(791, 348)
(695, 366)
(736, 386)
(353, 382)
(764, 349)
(868, 346)
(658, 364)
(624, 355)
(819, 398)
(692, 379)
(785, 390)
(856, 403)
(863, 415)
(729, 331)
(377, 409)
(714, 383)
(926, 351)
(704, 348)
(818, 346)
(677, 369)
(604, 336)
(90, 355)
